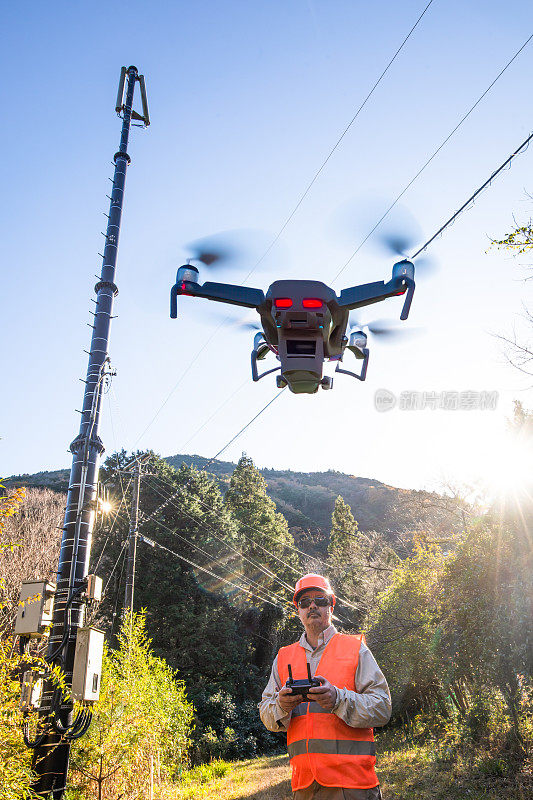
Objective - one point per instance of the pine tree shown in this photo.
(266, 541)
(346, 555)
(343, 538)
(263, 532)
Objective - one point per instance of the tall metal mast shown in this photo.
(52, 750)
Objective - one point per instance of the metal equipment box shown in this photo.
(94, 588)
(31, 690)
(87, 671)
(36, 606)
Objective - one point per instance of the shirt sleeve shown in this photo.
(272, 715)
(370, 705)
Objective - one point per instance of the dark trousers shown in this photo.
(318, 792)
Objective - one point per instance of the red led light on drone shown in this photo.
(311, 302)
(283, 302)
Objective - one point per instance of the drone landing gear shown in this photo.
(362, 374)
(258, 353)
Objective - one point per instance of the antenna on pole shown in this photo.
(120, 105)
(57, 725)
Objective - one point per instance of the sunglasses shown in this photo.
(305, 602)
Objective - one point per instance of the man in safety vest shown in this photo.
(330, 738)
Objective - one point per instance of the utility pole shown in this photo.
(132, 542)
(57, 727)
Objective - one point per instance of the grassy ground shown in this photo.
(413, 774)
(264, 778)
(405, 774)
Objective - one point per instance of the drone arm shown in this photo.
(368, 293)
(221, 292)
(228, 293)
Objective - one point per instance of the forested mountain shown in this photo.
(306, 499)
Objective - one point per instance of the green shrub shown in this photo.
(143, 718)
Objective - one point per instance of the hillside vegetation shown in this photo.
(444, 596)
(306, 499)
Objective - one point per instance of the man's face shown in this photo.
(316, 618)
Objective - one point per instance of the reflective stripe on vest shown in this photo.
(322, 747)
(303, 709)
(343, 747)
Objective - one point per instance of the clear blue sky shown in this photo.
(246, 100)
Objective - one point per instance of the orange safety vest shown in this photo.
(321, 746)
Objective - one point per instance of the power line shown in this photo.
(247, 425)
(266, 571)
(160, 507)
(269, 572)
(471, 199)
(220, 578)
(115, 566)
(214, 414)
(382, 218)
(203, 569)
(430, 159)
(337, 143)
(262, 533)
(291, 214)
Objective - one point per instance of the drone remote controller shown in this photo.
(303, 685)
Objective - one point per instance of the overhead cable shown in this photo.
(268, 572)
(115, 565)
(202, 523)
(337, 143)
(278, 394)
(471, 199)
(430, 159)
(258, 544)
(283, 601)
(160, 507)
(213, 415)
(203, 569)
(291, 215)
(381, 219)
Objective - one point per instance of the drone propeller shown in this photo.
(398, 234)
(386, 328)
(233, 250)
(402, 244)
(245, 323)
(214, 251)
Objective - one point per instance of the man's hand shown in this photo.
(288, 700)
(325, 694)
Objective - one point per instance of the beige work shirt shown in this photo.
(368, 707)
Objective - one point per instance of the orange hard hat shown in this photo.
(312, 581)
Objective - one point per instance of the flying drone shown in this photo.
(303, 322)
